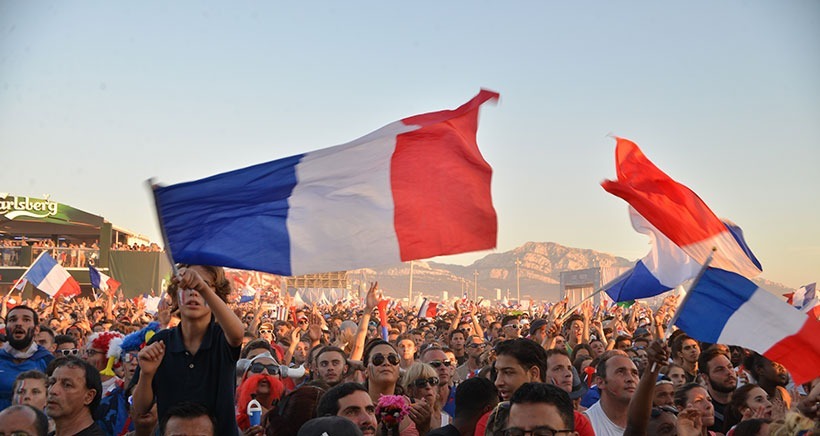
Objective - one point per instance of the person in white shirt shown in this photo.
(617, 379)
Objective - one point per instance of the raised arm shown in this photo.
(370, 302)
(640, 407)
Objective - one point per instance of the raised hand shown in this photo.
(150, 357)
(372, 299)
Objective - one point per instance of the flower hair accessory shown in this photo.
(392, 409)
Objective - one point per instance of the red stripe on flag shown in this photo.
(69, 288)
(441, 185)
(799, 353)
(671, 207)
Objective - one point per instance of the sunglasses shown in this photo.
(423, 382)
(537, 431)
(437, 363)
(379, 358)
(474, 345)
(257, 368)
(129, 357)
(263, 331)
(515, 326)
(70, 352)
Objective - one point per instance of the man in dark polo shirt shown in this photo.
(196, 360)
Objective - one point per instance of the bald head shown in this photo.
(23, 418)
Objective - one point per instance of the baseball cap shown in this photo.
(536, 325)
(329, 426)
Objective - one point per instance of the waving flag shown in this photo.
(726, 308)
(665, 267)
(248, 294)
(414, 189)
(101, 281)
(804, 295)
(678, 213)
(48, 276)
(427, 309)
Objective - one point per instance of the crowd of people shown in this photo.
(206, 364)
(67, 254)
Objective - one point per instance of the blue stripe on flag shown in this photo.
(40, 270)
(236, 219)
(737, 233)
(94, 277)
(712, 302)
(640, 283)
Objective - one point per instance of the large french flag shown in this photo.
(678, 213)
(414, 189)
(101, 281)
(726, 308)
(48, 276)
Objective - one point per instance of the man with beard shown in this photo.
(715, 366)
(331, 365)
(350, 401)
(20, 353)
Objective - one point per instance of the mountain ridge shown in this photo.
(539, 273)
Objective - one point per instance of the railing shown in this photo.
(10, 256)
(69, 257)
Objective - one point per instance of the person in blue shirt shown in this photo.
(20, 353)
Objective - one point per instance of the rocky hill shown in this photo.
(539, 270)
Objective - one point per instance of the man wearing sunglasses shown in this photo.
(66, 346)
(540, 409)
(511, 327)
(445, 368)
(475, 346)
(265, 331)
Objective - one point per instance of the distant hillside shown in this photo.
(541, 264)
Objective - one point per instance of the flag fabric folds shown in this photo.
(678, 213)
(665, 267)
(101, 281)
(414, 189)
(804, 295)
(48, 276)
(248, 294)
(427, 309)
(727, 308)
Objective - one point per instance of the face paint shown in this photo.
(20, 391)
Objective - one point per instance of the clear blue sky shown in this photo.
(96, 97)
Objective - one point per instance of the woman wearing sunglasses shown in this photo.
(420, 383)
(382, 375)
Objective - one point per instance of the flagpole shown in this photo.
(152, 186)
(24, 274)
(675, 316)
(601, 289)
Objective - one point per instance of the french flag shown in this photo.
(726, 308)
(678, 213)
(804, 295)
(427, 309)
(414, 189)
(48, 276)
(101, 281)
(665, 267)
(248, 294)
